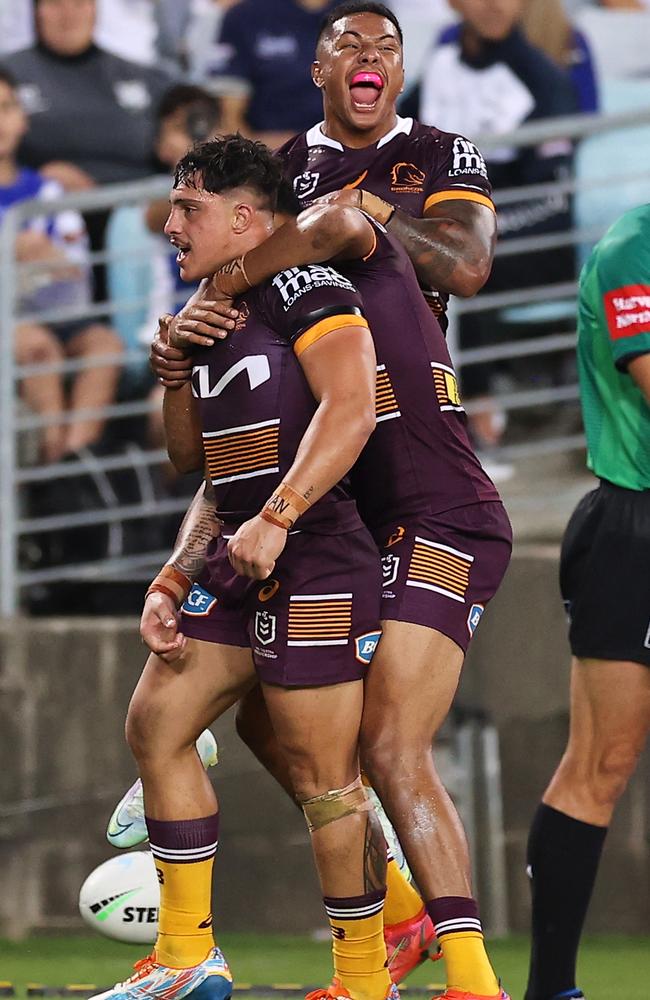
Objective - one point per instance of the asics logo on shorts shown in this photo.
(269, 590)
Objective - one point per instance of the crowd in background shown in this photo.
(94, 92)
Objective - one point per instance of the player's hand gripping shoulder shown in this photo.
(159, 627)
(255, 547)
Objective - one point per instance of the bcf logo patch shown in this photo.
(389, 569)
(474, 617)
(265, 624)
(198, 602)
(365, 646)
(306, 183)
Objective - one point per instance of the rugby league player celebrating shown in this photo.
(437, 519)
(285, 406)
(435, 200)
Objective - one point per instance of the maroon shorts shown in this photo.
(441, 570)
(315, 622)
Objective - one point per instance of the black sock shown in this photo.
(563, 857)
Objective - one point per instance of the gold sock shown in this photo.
(185, 924)
(467, 963)
(403, 901)
(184, 852)
(358, 945)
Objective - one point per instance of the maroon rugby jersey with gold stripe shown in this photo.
(413, 167)
(255, 402)
(419, 458)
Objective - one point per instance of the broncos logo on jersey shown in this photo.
(407, 178)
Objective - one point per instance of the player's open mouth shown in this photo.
(365, 90)
(183, 251)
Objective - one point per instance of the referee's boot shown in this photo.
(127, 826)
(210, 980)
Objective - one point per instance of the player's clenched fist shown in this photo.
(171, 366)
(252, 551)
(159, 627)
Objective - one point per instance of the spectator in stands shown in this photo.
(505, 64)
(186, 114)
(263, 70)
(91, 112)
(188, 33)
(57, 244)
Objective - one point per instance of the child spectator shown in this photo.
(57, 244)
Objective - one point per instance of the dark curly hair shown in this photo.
(351, 7)
(230, 162)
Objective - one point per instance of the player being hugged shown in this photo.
(285, 406)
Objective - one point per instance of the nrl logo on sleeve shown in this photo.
(366, 645)
(467, 159)
(306, 183)
(265, 625)
(198, 602)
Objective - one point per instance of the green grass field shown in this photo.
(610, 967)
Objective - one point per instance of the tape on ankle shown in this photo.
(335, 804)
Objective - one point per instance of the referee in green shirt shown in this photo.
(605, 582)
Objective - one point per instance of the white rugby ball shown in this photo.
(121, 897)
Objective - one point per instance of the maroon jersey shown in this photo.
(413, 167)
(419, 458)
(255, 401)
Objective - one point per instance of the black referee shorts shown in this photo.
(605, 575)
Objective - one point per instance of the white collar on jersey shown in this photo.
(316, 137)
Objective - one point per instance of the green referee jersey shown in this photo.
(613, 329)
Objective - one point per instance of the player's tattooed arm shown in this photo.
(200, 525)
(183, 429)
(452, 247)
(322, 232)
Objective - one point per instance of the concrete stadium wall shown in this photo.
(64, 689)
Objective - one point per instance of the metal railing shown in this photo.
(17, 477)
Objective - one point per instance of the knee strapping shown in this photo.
(335, 804)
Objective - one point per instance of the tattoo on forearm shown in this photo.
(190, 554)
(438, 246)
(374, 855)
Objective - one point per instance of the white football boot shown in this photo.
(127, 826)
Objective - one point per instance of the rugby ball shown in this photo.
(121, 897)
